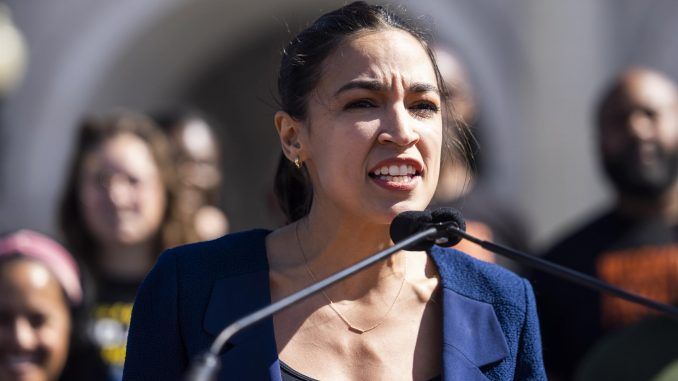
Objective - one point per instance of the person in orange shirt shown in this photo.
(634, 243)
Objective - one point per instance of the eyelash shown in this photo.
(426, 106)
(418, 108)
(362, 103)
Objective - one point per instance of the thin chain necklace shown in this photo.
(332, 305)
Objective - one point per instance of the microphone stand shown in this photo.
(563, 272)
(206, 366)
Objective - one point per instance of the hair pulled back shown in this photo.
(300, 70)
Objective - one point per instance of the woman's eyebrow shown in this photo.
(422, 87)
(374, 85)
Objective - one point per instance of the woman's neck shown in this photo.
(328, 248)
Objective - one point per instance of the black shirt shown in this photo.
(109, 317)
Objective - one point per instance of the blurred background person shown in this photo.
(196, 154)
(633, 243)
(40, 292)
(460, 182)
(118, 213)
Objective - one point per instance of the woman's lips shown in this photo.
(21, 364)
(399, 183)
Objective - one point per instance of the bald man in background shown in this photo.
(633, 244)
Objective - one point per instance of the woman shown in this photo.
(39, 290)
(196, 155)
(362, 128)
(117, 214)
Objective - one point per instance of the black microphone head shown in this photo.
(442, 215)
(407, 223)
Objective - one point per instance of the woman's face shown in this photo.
(35, 323)
(121, 190)
(198, 165)
(372, 139)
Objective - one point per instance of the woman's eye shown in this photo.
(425, 108)
(103, 179)
(362, 103)
(37, 320)
(133, 180)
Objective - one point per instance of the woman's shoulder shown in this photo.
(480, 280)
(231, 254)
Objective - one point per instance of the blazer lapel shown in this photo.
(251, 354)
(472, 337)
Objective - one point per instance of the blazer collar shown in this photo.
(472, 335)
(250, 354)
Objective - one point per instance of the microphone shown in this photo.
(407, 223)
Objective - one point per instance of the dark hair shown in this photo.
(301, 68)
(94, 131)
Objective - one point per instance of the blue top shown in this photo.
(490, 326)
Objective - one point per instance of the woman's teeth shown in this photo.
(398, 174)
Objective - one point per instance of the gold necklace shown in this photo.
(350, 326)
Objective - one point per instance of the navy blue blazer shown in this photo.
(490, 327)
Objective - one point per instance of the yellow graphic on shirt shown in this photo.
(111, 324)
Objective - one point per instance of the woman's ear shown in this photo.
(289, 132)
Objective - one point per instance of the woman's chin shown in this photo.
(126, 238)
(407, 206)
(387, 216)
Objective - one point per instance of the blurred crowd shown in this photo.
(142, 182)
(136, 186)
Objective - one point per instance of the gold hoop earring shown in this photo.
(297, 162)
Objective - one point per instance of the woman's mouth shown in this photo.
(396, 176)
(19, 364)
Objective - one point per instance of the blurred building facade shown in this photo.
(538, 67)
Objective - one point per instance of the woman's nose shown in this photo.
(119, 191)
(23, 335)
(398, 128)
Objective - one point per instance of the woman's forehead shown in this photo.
(382, 56)
(27, 273)
(125, 151)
